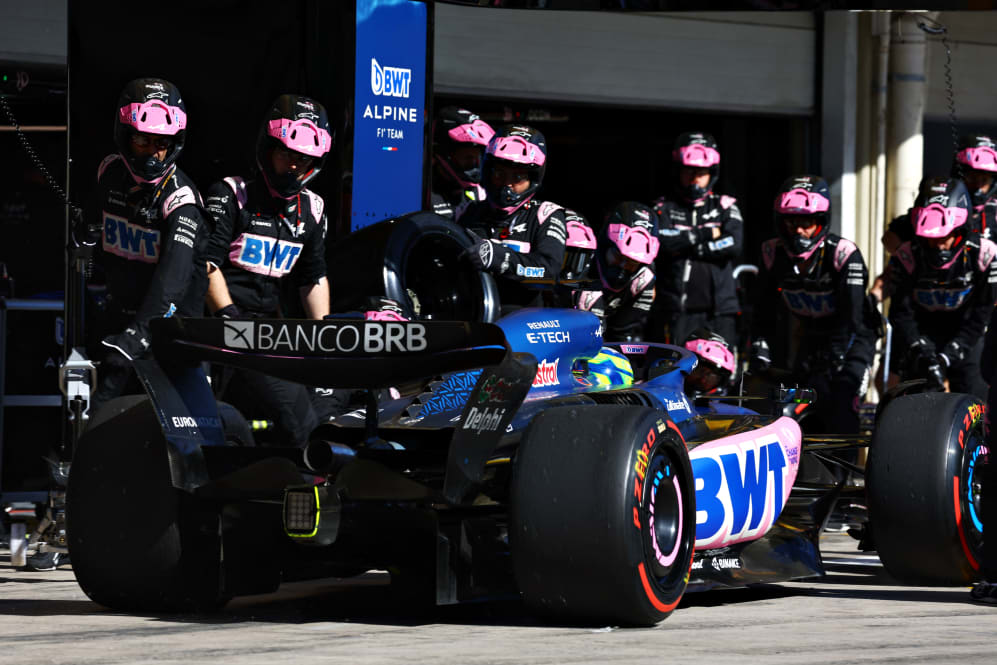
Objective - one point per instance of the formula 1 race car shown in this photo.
(537, 460)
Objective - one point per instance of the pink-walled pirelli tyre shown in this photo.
(923, 488)
(603, 514)
(137, 543)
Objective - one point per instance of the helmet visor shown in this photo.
(518, 150)
(634, 242)
(153, 117)
(801, 202)
(697, 154)
(301, 135)
(478, 132)
(981, 158)
(937, 221)
(716, 354)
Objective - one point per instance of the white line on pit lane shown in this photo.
(856, 560)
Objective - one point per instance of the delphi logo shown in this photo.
(239, 334)
(389, 81)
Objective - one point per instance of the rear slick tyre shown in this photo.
(603, 515)
(923, 488)
(137, 543)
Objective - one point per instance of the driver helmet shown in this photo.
(150, 110)
(459, 129)
(715, 366)
(610, 369)
(579, 248)
(514, 147)
(978, 153)
(299, 128)
(940, 211)
(629, 240)
(695, 150)
(802, 201)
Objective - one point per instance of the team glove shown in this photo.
(924, 363)
(380, 308)
(124, 347)
(84, 236)
(920, 354)
(952, 353)
(229, 312)
(761, 357)
(487, 255)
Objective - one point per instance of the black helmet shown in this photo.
(455, 127)
(940, 210)
(696, 150)
(579, 248)
(977, 153)
(804, 196)
(629, 237)
(514, 145)
(150, 106)
(296, 124)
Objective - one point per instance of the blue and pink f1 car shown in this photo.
(518, 463)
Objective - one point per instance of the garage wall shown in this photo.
(33, 32)
(972, 37)
(664, 60)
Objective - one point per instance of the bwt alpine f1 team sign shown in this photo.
(389, 109)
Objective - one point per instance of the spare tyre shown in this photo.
(416, 260)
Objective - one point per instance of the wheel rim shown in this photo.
(970, 492)
(665, 550)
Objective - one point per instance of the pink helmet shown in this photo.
(940, 208)
(716, 352)
(978, 152)
(150, 106)
(716, 361)
(697, 150)
(633, 229)
(455, 127)
(514, 144)
(298, 124)
(801, 197)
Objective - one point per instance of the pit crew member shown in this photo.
(459, 141)
(943, 287)
(821, 279)
(267, 230)
(712, 374)
(701, 236)
(152, 229)
(516, 237)
(579, 253)
(624, 265)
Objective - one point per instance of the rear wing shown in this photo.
(347, 353)
(332, 353)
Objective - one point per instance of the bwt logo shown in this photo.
(130, 241)
(739, 493)
(389, 81)
(264, 255)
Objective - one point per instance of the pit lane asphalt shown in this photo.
(856, 614)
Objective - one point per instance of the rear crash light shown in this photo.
(311, 514)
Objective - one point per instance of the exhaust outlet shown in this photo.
(328, 457)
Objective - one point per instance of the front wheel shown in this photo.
(923, 483)
(603, 514)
